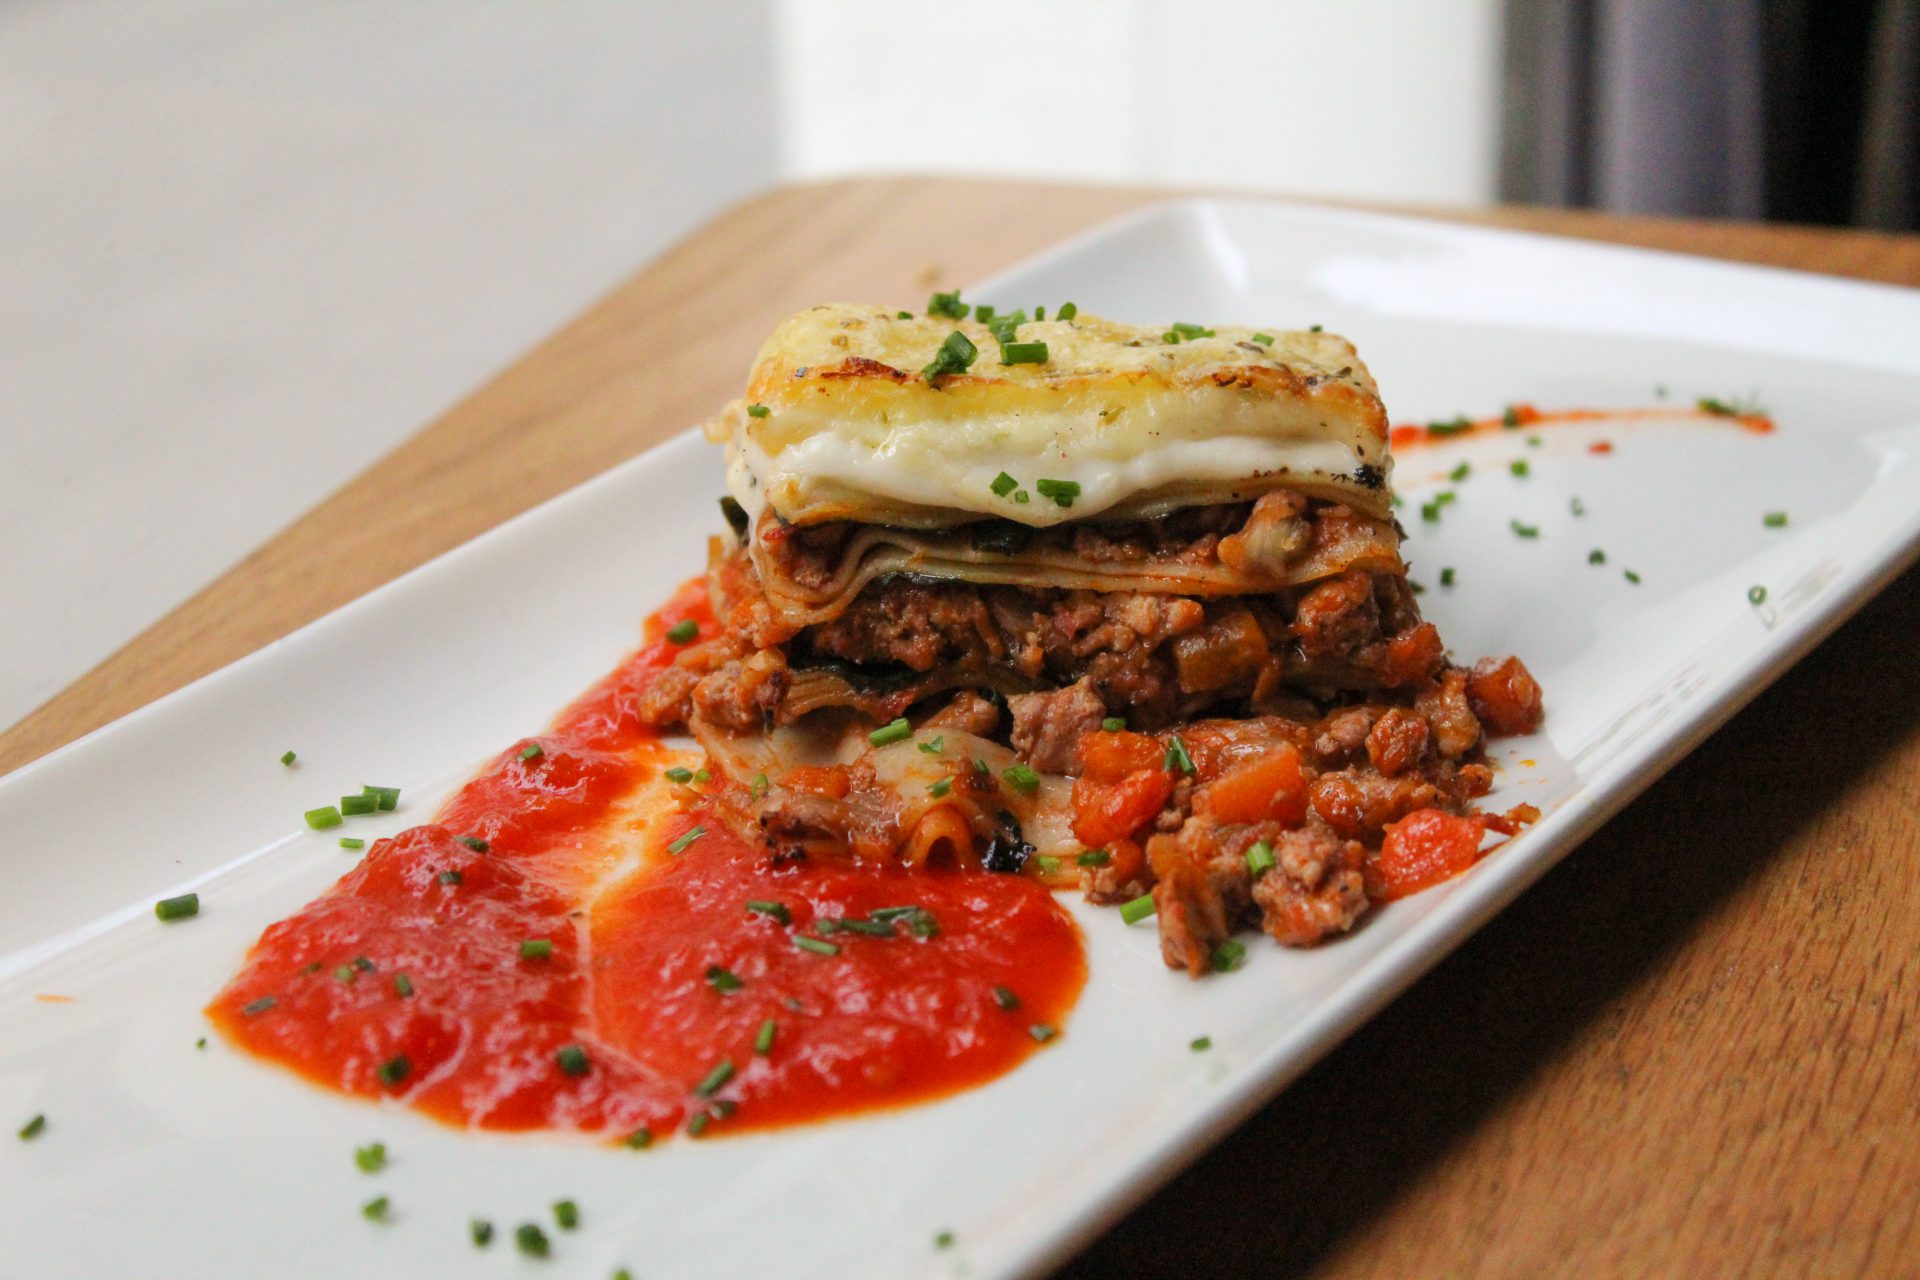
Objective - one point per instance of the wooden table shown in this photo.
(1686, 1051)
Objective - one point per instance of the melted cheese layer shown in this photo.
(853, 430)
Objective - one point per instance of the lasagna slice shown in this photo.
(1105, 604)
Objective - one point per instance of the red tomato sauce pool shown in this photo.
(538, 958)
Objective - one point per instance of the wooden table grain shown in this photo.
(1688, 1051)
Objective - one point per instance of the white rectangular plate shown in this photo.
(163, 1159)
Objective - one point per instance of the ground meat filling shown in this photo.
(1310, 722)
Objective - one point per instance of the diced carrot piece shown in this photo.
(829, 780)
(1104, 812)
(1108, 757)
(1271, 787)
(1421, 850)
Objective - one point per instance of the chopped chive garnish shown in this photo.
(254, 1008)
(352, 842)
(1063, 492)
(1259, 857)
(535, 948)
(1510, 418)
(288, 758)
(1774, 519)
(815, 945)
(1039, 314)
(1446, 577)
(1019, 495)
(572, 1060)
(358, 806)
(947, 305)
(680, 846)
(759, 786)
(944, 1239)
(322, 818)
(1451, 427)
(1715, 406)
(758, 411)
(1004, 997)
(1576, 506)
(1460, 472)
(363, 964)
(697, 1125)
(1264, 339)
(1315, 328)
(1430, 512)
(201, 1043)
(1042, 1032)
(982, 312)
(1067, 311)
(450, 877)
(1446, 497)
(725, 981)
(1523, 530)
(1200, 1044)
(1114, 724)
(1191, 331)
(371, 1158)
(402, 985)
(772, 910)
(702, 775)
(1631, 576)
(532, 751)
(480, 1231)
(395, 1069)
(388, 798)
(33, 1128)
(1229, 955)
(1519, 467)
(1023, 353)
(678, 774)
(1003, 484)
(640, 1139)
(1046, 863)
(871, 928)
(531, 1240)
(940, 787)
(716, 1079)
(375, 1210)
(1177, 757)
(346, 973)
(1533, 442)
(763, 1042)
(896, 731)
(474, 843)
(1094, 858)
(1596, 556)
(1756, 595)
(956, 355)
(1138, 909)
(567, 1214)
(1021, 778)
(903, 315)
(683, 631)
(934, 746)
(187, 904)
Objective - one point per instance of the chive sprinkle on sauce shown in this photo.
(940, 787)
(572, 1060)
(1177, 757)
(1260, 858)
(683, 631)
(1042, 1032)
(716, 1079)
(402, 985)
(640, 1139)
(772, 910)
(1021, 778)
(535, 948)
(475, 843)
(180, 908)
(254, 1008)
(763, 1040)
(815, 945)
(725, 981)
(1006, 999)
(681, 845)
(395, 1070)
(532, 751)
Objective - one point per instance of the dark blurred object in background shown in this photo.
(1789, 110)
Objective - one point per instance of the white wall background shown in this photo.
(247, 248)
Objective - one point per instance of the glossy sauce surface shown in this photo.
(647, 1005)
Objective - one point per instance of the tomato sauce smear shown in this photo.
(644, 1001)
